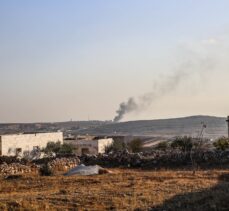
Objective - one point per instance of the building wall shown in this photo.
(27, 142)
(0, 145)
(103, 143)
(91, 145)
(94, 146)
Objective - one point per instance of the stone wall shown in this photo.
(160, 159)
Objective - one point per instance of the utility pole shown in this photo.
(228, 125)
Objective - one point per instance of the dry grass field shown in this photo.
(121, 190)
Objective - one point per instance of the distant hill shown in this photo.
(49, 127)
(216, 126)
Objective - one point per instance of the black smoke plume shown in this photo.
(193, 64)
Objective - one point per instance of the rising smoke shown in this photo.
(126, 107)
(160, 89)
(193, 64)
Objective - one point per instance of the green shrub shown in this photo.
(45, 170)
(184, 143)
(222, 144)
(52, 147)
(135, 145)
(58, 148)
(162, 146)
(66, 149)
(117, 146)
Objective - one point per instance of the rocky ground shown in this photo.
(160, 159)
(124, 189)
(20, 167)
(135, 181)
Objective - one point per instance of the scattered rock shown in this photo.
(64, 163)
(15, 168)
(157, 159)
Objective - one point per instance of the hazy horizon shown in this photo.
(110, 120)
(63, 60)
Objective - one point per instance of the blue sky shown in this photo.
(62, 60)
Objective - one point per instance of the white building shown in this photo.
(92, 147)
(22, 144)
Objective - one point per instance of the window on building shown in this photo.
(36, 147)
(18, 151)
(10, 150)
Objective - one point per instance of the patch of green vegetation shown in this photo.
(221, 144)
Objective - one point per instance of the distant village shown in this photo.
(30, 144)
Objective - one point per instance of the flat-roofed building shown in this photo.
(22, 144)
(91, 146)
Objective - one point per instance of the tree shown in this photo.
(135, 145)
(117, 146)
(58, 148)
(52, 147)
(221, 144)
(66, 149)
(184, 143)
(46, 170)
(162, 146)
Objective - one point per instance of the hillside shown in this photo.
(216, 126)
(48, 127)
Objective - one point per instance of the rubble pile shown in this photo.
(63, 163)
(16, 168)
(157, 159)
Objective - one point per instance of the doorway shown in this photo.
(85, 151)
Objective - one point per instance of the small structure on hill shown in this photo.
(23, 144)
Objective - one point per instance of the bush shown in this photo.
(162, 146)
(66, 149)
(135, 145)
(222, 144)
(184, 144)
(52, 147)
(45, 170)
(117, 146)
(58, 148)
